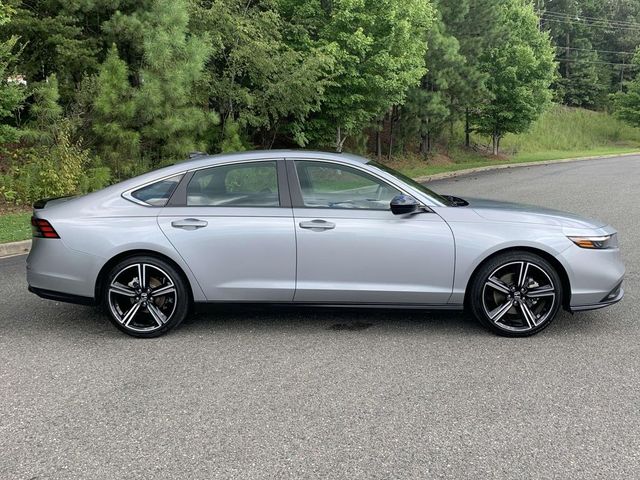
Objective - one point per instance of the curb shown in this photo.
(501, 166)
(15, 248)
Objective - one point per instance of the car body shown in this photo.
(304, 227)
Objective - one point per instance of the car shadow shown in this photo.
(83, 322)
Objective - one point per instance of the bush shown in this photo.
(52, 171)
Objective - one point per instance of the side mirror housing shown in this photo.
(403, 204)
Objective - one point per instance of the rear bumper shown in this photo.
(53, 267)
(62, 297)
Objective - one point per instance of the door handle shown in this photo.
(318, 225)
(189, 224)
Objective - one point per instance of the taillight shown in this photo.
(42, 228)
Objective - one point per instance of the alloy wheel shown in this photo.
(519, 296)
(142, 297)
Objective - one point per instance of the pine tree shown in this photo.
(172, 118)
(114, 117)
(12, 87)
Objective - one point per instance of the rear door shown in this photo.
(233, 225)
(352, 249)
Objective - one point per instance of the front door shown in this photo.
(352, 249)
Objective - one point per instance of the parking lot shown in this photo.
(299, 393)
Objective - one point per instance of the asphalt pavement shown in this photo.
(299, 393)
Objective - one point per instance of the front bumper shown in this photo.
(595, 277)
(605, 303)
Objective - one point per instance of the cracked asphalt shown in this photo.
(297, 393)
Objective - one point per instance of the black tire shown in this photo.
(529, 304)
(154, 315)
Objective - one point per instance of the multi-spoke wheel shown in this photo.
(516, 294)
(145, 296)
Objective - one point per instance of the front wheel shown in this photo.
(516, 294)
(145, 296)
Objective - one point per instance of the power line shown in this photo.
(578, 60)
(594, 50)
(596, 25)
(583, 18)
(578, 16)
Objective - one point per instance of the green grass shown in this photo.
(15, 227)
(559, 133)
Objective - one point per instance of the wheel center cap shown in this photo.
(144, 295)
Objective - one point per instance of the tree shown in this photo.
(520, 69)
(12, 86)
(379, 48)
(57, 36)
(429, 106)
(256, 80)
(114, 117)
(153, 110)
(627, 103)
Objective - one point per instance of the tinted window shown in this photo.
(157, 194)
(328, 185)
(239, 185)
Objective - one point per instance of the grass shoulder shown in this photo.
(15, 226)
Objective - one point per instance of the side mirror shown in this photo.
(403, 204)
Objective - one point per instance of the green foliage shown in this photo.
(46, 112)
(429, 106)
(114, 117)
(12, 92)
(170, 116)
(254, 77)
(379, 48)
(231, 141)
(627, 103)
(50, 171)
(159, 116)
(519, 70)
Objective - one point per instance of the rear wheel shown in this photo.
(145, 296)
(516, 294)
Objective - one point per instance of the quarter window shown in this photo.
(157, 194)
(240, 185)
(328, 185)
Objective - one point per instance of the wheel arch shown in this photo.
(104, 271)
(561, 271)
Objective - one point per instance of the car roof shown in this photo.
(200, 160)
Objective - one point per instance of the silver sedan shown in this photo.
(313, 228)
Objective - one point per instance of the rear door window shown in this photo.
(251, 184)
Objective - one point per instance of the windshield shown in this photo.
(411, 182)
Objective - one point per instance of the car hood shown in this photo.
(515, 212)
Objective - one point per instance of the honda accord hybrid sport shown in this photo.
(313, 228)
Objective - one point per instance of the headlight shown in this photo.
(596, 242)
